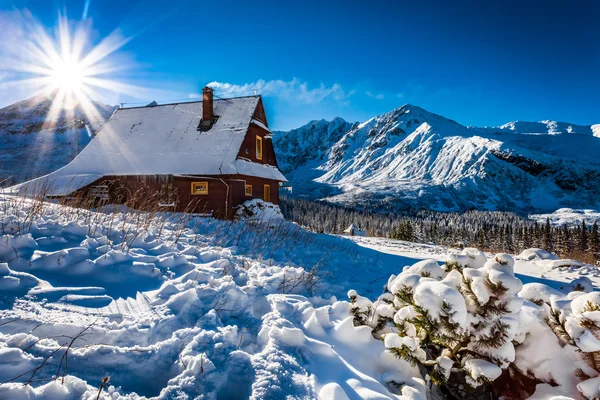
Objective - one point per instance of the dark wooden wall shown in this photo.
(225, 194)
(239, 195)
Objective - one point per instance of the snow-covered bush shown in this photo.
(575, 320)
(258, 210)
(581, 284)
(458, 322)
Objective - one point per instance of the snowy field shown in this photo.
(568, 216)
(123, 304)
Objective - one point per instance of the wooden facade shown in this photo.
(174, 193)
(214, 195)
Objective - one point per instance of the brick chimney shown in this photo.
(207, 105)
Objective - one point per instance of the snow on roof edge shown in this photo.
(258, 123)
(265, 171)
(61, 185)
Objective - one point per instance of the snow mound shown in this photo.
(536, 254)
(581, 284)
(565, 264)
(540, 293)
(427, 268)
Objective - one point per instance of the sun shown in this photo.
(67, 68)
(68, 75)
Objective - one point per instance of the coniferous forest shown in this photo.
(493, 231)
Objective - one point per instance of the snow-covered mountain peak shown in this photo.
(409, 112)
(410, 157)
(406, 119)
(328, 126)
(308, 142)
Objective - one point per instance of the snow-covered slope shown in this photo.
(33, 144)
(410, 157)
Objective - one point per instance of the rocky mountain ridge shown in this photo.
(412, 158)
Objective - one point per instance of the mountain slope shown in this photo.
(33, 144)
(410, 157)
(309, 142)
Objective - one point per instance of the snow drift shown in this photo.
(137, 305)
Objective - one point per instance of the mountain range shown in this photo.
(412, 158)
(35, 141)
(408, 158)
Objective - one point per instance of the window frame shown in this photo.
(195, 192)
(248, 194)
(259, 147)
(267, 190)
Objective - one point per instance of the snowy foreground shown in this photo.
(196, 308)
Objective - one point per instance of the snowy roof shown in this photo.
(350, 229)
(164, 140)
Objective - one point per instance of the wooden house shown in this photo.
(203, 157)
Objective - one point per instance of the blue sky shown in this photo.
(480, 63)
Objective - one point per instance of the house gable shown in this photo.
(258, 134)
(259, 112)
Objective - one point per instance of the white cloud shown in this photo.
(378, 96)
(293, 90)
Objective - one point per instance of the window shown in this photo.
(166, 195)
(259, 147)
(267, 193)
(199, 187)
(99, 192)
(248, 189)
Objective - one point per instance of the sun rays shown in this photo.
(65, 67)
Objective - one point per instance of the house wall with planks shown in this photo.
(174, 193)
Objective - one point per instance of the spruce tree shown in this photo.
(527, 239)
(595, 241)
(566, 242)
(583, 237)
(547, 236)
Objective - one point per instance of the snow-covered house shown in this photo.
(352, 230)
(203, 157)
